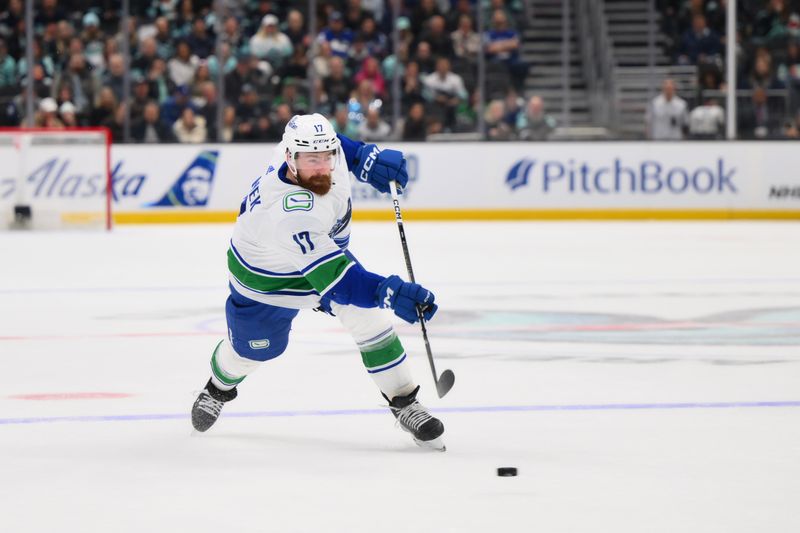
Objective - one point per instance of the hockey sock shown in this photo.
(385, 360)
(228, 368)
(381, 351)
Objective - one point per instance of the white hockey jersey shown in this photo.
(288, 243)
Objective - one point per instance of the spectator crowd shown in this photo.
(270, 67)
(354, 70)
(768, 69)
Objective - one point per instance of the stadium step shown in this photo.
(615, 17)
(625, 6)
(555, 83)
(542, 78)
(542, 11)
(636, 28)
(545, 23)
(636, 39)
(542, 51)
(546, 34)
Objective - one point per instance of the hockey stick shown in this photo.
(444, 382)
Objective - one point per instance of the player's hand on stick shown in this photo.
(404, 298)
(378, 167)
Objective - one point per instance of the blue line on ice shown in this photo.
(472, 409)
(546, 282)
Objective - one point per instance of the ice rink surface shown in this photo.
(643, 377)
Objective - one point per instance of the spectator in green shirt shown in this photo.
(8, 67)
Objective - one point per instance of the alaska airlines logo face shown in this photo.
(193, 188)
(197, 186)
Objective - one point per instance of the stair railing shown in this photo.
(597, 56)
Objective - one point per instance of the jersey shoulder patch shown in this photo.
(298, 201)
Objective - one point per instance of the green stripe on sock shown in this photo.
(383, 352)
(219, 374)
(261, 282)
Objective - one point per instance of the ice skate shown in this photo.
(414, 417)
(208, 405)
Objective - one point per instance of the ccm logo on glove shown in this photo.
(380, 167)
(367, 166)
(405, 298)
(387, 300)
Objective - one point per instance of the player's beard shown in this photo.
(318, 183)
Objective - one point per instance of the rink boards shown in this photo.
(473, 181)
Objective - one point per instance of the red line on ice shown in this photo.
(110, 336)
(71, 396)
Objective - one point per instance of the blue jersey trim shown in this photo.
(276, 293)
(241, 299)
(388, 367)
(352, 257)
(320, 260)
(357, 287)
(282, 175)
(350, 149)
(343, 275)
(261, 270)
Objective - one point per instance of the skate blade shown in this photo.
(436, 444)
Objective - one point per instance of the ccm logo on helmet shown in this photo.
(368, 164)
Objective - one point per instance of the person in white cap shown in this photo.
(67, 114)
(269, 43)
(47, 114)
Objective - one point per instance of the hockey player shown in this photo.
(289, 252)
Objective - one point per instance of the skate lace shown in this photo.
(209, 404)
(413, 416)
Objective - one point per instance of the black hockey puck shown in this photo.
(507, 471)
(22, 213)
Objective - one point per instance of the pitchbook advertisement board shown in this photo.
(197, 183)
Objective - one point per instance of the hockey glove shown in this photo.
(379, 167)
(404, 298)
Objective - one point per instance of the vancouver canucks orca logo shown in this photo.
(342, 222)
(193, 188)
(518, 175)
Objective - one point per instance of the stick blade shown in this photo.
(445, 383)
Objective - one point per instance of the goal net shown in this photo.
(55, 179)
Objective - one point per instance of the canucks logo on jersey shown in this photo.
(340, 231)
(193, 188)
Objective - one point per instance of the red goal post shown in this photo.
(53, 178)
